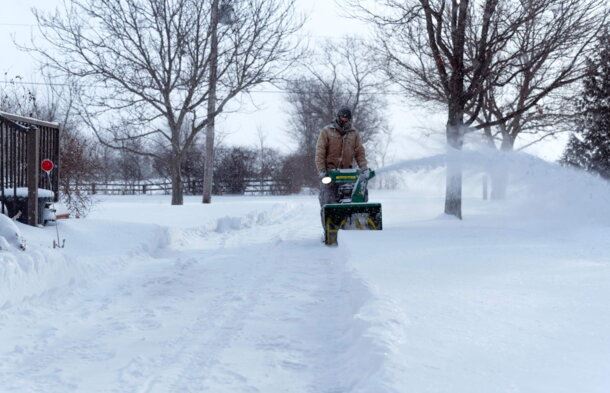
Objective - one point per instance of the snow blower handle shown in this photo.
(359, 193)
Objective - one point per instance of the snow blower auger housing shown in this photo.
(352, 210)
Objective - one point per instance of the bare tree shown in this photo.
(31, 101)
(425, 44)
(193, 164)
(268, 159)
(454, 52)
(147, 63)
(341, 74)
(531, 95)
(80, 165)
(133, 168)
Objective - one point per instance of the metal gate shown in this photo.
(24, 142)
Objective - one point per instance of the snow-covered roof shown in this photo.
(22, 192)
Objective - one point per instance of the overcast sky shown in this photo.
(268, 110)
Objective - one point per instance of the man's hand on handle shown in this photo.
(365, 173)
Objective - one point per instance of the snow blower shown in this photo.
(352, 209)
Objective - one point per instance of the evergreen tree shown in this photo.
(589, 148)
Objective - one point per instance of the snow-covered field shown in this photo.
(242, 296)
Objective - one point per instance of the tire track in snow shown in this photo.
(212, 331)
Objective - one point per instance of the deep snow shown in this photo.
(241, 295)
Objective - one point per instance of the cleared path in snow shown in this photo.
(254, 308)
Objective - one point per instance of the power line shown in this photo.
(279, 91)
(17, 24)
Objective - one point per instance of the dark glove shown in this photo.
(365, 173)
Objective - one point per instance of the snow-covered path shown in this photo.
(243, 308)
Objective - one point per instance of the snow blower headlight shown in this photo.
(326, 180)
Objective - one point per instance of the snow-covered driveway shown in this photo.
(246, 303)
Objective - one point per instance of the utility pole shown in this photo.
(208, 172)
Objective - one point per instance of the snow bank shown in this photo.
(93, 249)
(276, 214)
(546, 190)
(512, 298)
(482, 306)
(96, 247)
(10, 235)
(231, 223)
(374, 327)
(257, 212)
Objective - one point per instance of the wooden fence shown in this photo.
(190, 187)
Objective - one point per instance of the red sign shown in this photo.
(47, 165)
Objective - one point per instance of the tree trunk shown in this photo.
(455, 140)
(208, 171)
(177, 192)
(488, 137)
(508, 142)
(499, 181)
(500, 172)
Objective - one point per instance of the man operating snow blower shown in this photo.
(343, 192)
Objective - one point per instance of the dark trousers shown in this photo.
(328, 194)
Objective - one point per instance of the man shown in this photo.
(339, 145)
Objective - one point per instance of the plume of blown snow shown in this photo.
(549, 190)
(536, 188)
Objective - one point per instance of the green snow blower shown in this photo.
(352, 209)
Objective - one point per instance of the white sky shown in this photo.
(416, 132)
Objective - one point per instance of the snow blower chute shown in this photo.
(352, 210)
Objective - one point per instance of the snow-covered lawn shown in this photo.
(242, 296)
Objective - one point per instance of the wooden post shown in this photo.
(208, 167)
(33, 159)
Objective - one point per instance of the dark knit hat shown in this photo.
(345, 112)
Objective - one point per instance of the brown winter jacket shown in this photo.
(336, 151)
